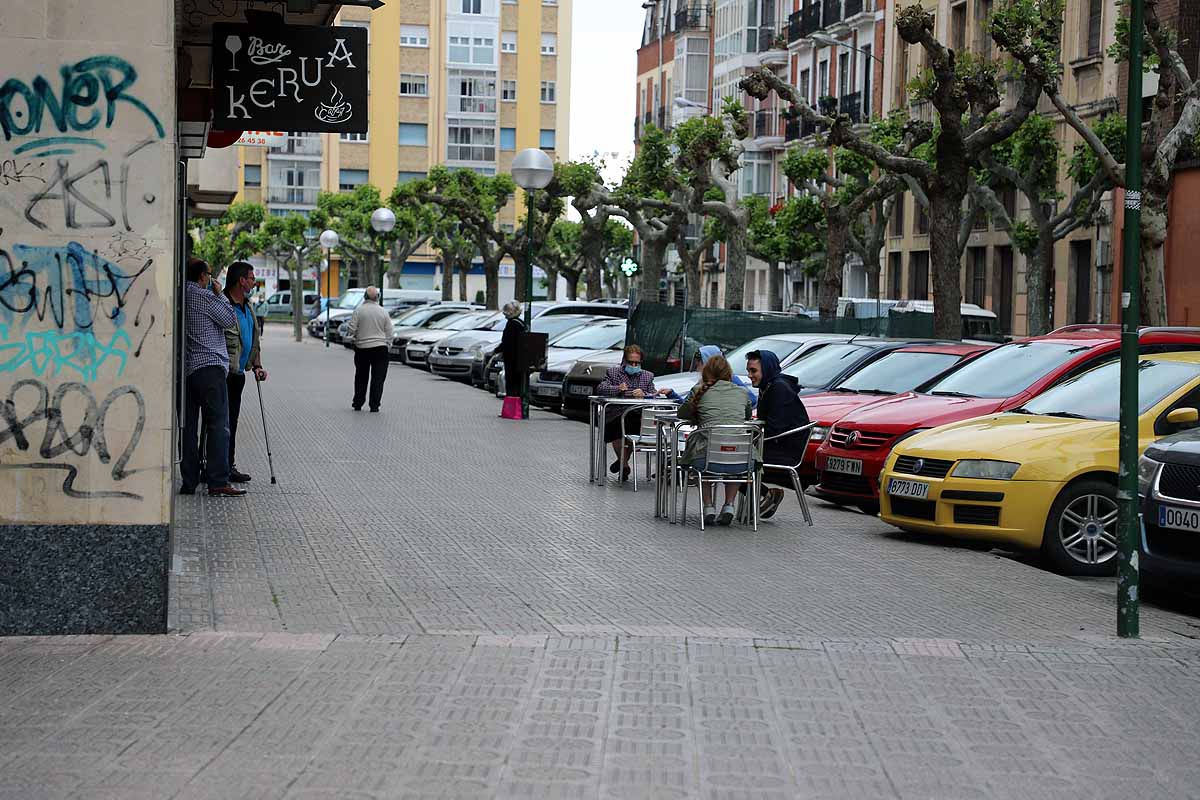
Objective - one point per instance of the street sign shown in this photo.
(629, 267)
(262, 139)
(300, 78)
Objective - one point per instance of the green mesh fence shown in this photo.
(659, 330)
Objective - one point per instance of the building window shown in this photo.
(958, 27)
(353, 137)
(472, 92)
(414, 36)
(414, 85)
(546, 139)
(895, 275)
(1094, 26)
(549, 44)
(868, 67)
(472, 6)
(460, 49)
(468, 140)
(508, 138)
(843, 74)
(822, 87)
(508, 41)
(898, 215)
(922, 219)
(977, 277)
(408, 177)
(252, 176)
(918, 284)
(414, 134)
(483, 51)
(508, 91)
(549, 92)
(350, 178)
(805, 85)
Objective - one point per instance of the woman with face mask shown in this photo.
(629, 380)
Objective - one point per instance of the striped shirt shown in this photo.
(208, 315)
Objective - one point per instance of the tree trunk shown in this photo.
(551, 283)
(654, 256)
(1154, 237)
(592, 250)
(735, 267)
(447, 276)
(945, 215)
(491, 276)
(610, 280)
(1039, 318)
(775, 285)
(297, 281)
(572, 277)
(830, 289)
(520, 290)
(463, 271)
(695, 283)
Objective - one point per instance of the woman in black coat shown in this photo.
(510, 343)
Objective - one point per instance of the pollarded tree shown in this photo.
(289, 242)
(231, 239)
(564, 253)
(452, 241)
(527, 241)
(349, 213)
(964, 92)
(785, 233)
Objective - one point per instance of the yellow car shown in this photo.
(1043, 475)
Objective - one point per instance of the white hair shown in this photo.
(512, 309)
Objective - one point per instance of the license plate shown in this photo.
(549, 391)
(1181, 519)
(581, 390)
(902, 488)
(438, 360)
(850, 466)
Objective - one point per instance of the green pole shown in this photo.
(528, 293)
(1128, 527)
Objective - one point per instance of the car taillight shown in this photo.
(674, 364)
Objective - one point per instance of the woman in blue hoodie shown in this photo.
(780, 409)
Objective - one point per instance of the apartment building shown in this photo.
(462, 83)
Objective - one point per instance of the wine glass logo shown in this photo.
(233, 44)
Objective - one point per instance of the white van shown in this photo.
(977, 322)
(864, 307)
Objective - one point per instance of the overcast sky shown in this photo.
(603, 78)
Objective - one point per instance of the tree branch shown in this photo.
(1115, 171)
(1090, 193)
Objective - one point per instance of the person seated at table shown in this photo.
(781, 409)
(716, 400)
(629, 381)
(706, 352)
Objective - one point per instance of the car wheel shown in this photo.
(1081, 532)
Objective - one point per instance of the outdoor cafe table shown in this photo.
(598, 405)
(666, 432)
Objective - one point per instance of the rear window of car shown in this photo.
(824, 364)
(1008, 370)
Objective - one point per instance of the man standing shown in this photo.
(780, 408)
(206, 363)
(242, 342)
(371, 331)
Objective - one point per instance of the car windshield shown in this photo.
(822, 365)
(420, 316)
(897, 372)
(351, 300)
(449, 321)
(780, 347)
(462, 322)
(1096, 394)
(593, 337)
(1007, 370)
(555, 325)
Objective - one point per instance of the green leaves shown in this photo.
(1083, 163)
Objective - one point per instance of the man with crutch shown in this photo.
(242, 341)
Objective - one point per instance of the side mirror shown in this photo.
(1183, 416)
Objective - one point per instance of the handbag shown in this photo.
(512, 408)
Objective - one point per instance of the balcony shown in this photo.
(795, 26)
(766, 123)
(791, 130)
(692, 18)
(810, 18)
(302, 145)
(808, 128)
(293, 195)
(473, 105)
(851, 105)
(831, 13)
(851, 8)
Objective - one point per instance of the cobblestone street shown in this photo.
(433, 602)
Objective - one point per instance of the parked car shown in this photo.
(416, 354)
(340, 320)
(1003, 378)
(583, 378)
(1169, 486)
(454, 356)
(546, 384)
(280, 304)
(553, 325)
(419, 320)
(1042, 476)
(319, 308)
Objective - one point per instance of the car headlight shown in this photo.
(985, 469)
(818, 433)
(1147, 468)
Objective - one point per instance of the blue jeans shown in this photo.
(207, 390)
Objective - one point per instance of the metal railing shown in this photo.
(692, 18)
(831, 12)
(851, 8)
(791, 130)
(851, 105)
(795, 26)
(810, 18)
(299, 146)
(293, 195)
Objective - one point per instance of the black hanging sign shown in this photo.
(290, 77)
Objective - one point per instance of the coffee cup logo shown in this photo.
(338, 109)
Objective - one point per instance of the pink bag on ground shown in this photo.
(512, 408)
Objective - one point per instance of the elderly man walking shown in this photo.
(371, 332)
(206, 365)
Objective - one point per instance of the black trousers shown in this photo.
(370, 366)
(236, 382)
(207, 391)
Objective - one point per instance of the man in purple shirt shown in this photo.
(628, 380)
(207, 313)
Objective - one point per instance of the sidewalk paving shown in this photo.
(433, 602)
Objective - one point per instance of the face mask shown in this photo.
(632, 369)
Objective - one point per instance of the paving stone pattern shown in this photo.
(432, 602)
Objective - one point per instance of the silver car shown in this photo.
(420, 347)
(418, 321)
(790, 347)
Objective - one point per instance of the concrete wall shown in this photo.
(87, 232)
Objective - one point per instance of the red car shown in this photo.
(900, 370)
(850, 459)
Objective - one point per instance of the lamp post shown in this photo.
(383, 220)
(531, 170)
(329, 240)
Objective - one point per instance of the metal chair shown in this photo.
(646, 439)
(801, 435)
(732, 451)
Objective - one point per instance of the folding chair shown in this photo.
(646, 439)
(801, 435)
(729, 457)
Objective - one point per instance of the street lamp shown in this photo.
(329, 240)
(383, 220)
(531, 170)
(829, 41)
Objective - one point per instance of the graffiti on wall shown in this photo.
(82, 180)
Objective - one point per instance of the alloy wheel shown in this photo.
(1088, 529)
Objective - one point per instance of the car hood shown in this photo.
(597, 364)
(468, 338)
(335, 315)
(1047, 448)
(1179, 448)
(561, 359)
(905, 412)
(826, 408)
(408, 331)
(429, 337)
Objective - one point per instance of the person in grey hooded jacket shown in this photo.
(780, 409)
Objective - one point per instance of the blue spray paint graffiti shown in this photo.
(36, 282)
(48, 353)
(89, 91)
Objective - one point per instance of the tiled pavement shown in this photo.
(434, 603)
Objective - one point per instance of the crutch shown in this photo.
(266, 437)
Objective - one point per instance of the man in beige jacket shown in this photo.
(371, 332)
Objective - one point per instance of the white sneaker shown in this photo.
(710, 514)
(726, 517)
